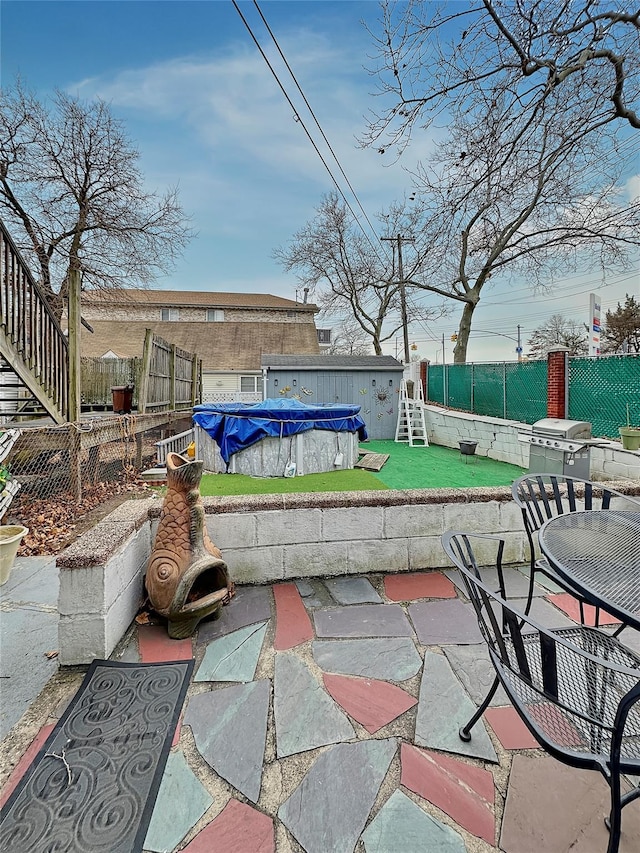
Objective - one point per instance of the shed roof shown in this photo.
(332, 362)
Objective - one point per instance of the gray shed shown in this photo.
(370, 381)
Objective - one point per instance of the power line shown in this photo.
(298, 118)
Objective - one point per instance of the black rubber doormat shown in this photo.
(93, 785)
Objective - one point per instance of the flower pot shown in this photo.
(468, 448)
(630, 437)
(10, 538)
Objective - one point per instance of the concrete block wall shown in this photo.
(498, 439)
(400, 532)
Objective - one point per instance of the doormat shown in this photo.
(93, 785)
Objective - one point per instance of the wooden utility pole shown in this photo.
(403, 297)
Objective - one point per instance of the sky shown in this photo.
(206, 114)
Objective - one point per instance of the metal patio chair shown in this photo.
(576, 689)
(544, 496)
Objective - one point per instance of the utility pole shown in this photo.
(519, 349)
(403, 298)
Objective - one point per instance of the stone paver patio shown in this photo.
(323, 716)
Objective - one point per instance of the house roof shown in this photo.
(195, 298)
(331, 362)
(221, 346)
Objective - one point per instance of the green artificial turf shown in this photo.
(355, 480)
(437, 467)
(416, 467)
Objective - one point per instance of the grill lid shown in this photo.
(561, 428)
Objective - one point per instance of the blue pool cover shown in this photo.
(236, 426)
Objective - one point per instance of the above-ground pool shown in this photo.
(277, 438)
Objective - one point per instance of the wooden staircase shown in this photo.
(34, 354)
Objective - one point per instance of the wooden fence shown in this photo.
(165, 378)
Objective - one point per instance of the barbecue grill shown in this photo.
(559, 446)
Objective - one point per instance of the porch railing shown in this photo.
(31, 339)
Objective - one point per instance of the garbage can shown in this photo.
(122, 398)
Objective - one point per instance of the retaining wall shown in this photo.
(269, 538)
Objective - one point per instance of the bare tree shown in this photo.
(558, 331)
(74, 198)
(430, 55)
(621, 331)
(521, 186)
(351, 274)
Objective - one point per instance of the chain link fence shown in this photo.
(61, 474)
(604, 391)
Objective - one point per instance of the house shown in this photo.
(228, 331)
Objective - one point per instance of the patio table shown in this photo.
(598, 553)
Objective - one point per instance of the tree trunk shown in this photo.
(460, 349)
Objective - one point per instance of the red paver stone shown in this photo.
(19, 770)
(371, 702)
(237, 829)
(565, 734)
(176, 734)
(511, 731)
(418, 585)
(293, 625)
(156, 646)
(571, 606)
(464, 792)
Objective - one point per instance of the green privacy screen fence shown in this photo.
(600, 389)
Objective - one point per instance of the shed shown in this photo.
(369, 381)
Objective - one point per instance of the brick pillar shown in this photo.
(558, 383)
(424, 377)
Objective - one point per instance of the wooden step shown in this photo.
(372, 461)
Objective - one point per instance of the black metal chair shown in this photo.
(544, 496)
(576, 689)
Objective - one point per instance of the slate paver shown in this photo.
(250, 604)
(463, 791)
(441, 622)
(553, 807)
(443, 707)
(571, 606)
(293, 626)
(233, 657)
(352, 591)
(330, 807)
(238, 828)
(401, 825)
(305, 715)
(408, 587)
(181, 802)
(155, 645)
(314, 594)
(509, 728)
(392, 659)
(363, 620)
(24, 668)
(473, 667)
(372, 703)
(229, 727)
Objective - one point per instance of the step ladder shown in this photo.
(411, 426)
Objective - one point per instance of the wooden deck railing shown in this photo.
(31, 339)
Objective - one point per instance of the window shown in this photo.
(215, 315)
(324, 336)
(249, 383)
(170, 314)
